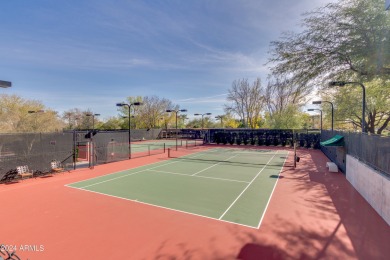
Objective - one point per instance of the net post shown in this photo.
(149, 149)
(169, 152)
(295, 149)
(164, 147)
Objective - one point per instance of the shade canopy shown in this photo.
(336, 140)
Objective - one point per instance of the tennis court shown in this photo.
(149, 147)
(230, 185)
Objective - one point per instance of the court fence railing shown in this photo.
(73, 149)
(86, 148)
(372, 150)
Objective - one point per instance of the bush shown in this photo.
(231, 139)
(253, 141)
(238, 140)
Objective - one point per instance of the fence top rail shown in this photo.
(356, 133)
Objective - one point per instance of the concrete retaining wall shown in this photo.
(372, 185)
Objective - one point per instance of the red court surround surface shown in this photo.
(313, 214)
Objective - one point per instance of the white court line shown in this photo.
(194, 176)
(258, 153)
(231, 205)
(136, 201)
(213, 165)
(269, 199)
(162, 207)
(122, 176)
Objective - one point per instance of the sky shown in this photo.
(92, 54)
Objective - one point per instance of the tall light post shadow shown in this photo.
(331, 104)
(342, 84)
(176, 112)
(123, 104)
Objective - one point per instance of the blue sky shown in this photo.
(91, 54)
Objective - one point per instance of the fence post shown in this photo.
(74, 149)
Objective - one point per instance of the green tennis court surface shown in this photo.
(232, 185)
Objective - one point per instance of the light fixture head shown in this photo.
(169, 110)
(5, 84)
(120, 104)
(317, 102)
(337, 83)
(197, 114)
(208, 114)
(183, 110)
(137, 103)
(35, 111)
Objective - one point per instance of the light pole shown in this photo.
(93, 119)
(202, 116)
(221, 118)
(5, 84)
(129, 107)
(91, 139)
(183, 117)
(342, 84)
(315, 109)
(331, 104)
(35, 112)
(176, 111)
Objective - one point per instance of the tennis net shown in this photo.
(193, 143)
(240, 157)
(147, 149)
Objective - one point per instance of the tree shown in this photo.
(246, 101)
(283, 103)
(73, 118)
(14, 116)
(150, 114)
(345, 40)
(112, 123)
(195, 123)
(348, 105)
(181, 120)
(152, 109)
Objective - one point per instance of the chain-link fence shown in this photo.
(373, 150)
(36, 150)
(172, 133)
(72, 149)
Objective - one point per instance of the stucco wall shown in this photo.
(372, 185)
